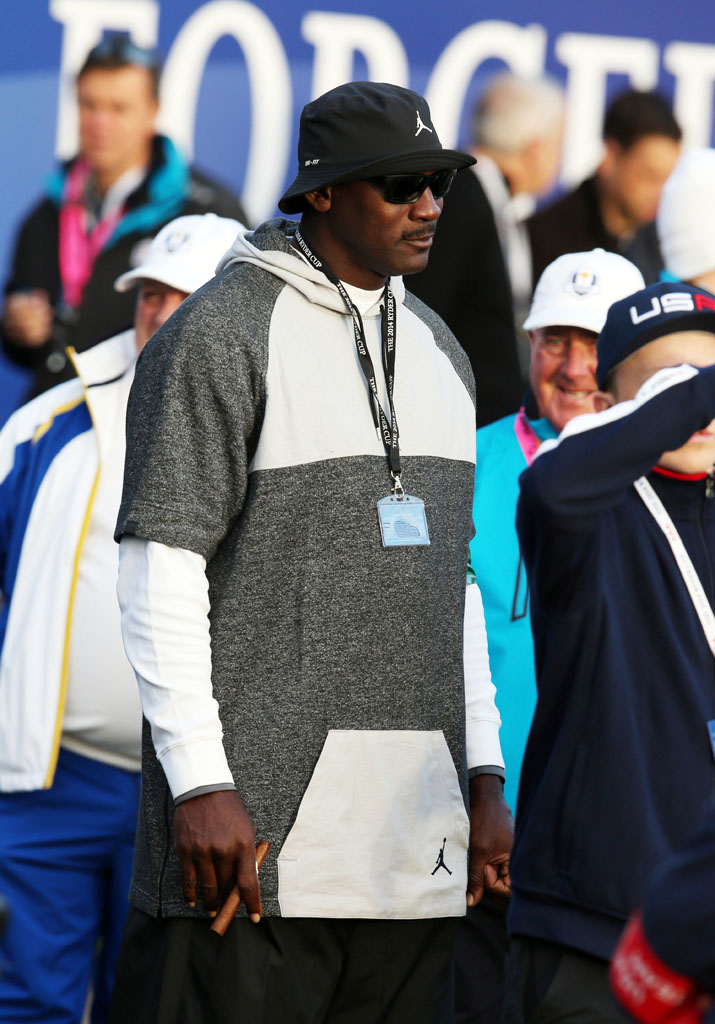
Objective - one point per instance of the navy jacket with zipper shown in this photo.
(618, 763)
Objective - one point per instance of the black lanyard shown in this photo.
(389, 433)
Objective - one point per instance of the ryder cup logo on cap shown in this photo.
(175, 240)
(185, 253)
(577, 289)
(583, 282)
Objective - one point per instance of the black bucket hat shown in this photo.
(363, 130)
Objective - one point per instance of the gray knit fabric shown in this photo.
(314, 625)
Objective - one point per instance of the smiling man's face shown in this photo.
(563, 372)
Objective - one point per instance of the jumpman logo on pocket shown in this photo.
(440, 859)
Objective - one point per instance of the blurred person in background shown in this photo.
(567, 313)
(70, 716)
(615, 208)
(99, 214)
(686, 220)
(616, 524)
(479, 274)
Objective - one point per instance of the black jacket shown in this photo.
(466, 282)
(170, 189)
(574, 224)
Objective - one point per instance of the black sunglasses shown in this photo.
(407, 188)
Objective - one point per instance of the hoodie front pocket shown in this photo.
(381, 831)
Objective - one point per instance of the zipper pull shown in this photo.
(710, 486)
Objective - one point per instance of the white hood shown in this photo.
(269, 247)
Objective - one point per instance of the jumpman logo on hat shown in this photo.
(440, 859)
(421, 126)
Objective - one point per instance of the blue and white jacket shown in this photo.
(618, 764)
(49, 472)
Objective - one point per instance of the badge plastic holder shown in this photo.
(403, 521)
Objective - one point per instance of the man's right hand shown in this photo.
(215, 840)
(27, 318)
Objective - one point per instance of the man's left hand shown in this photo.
(491, 834)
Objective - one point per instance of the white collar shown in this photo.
(125, 184)
(365, 300)
(500, 199)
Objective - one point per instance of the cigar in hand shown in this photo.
(227, 912)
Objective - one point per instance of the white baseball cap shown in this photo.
(686, 216)
(577, 289)
(185, 253)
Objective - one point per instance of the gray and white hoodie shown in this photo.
(278, 645)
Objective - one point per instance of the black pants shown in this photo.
(479, 954)
(547, 983)
(284, 971)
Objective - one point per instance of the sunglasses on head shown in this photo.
(122, 48)
(407, 188)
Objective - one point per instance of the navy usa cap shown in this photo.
(660, 309)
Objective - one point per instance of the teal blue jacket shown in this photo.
(500, 574)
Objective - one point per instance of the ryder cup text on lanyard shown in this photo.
(402, 517)
(389, 435)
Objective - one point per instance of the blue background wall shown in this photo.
(31, 44)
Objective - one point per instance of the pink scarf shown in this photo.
(525, 435)
(79, 248)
